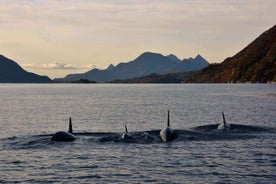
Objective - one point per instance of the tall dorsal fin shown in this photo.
(70, 126)
(126, 128)
(168, 123)
(224, 122)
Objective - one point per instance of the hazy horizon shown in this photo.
(56, 37)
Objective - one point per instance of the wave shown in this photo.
(236, 128)
(199, 133)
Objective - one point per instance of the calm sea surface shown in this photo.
(31, 113)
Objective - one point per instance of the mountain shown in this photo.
(146, 64)
(255, 63)
(11, 72)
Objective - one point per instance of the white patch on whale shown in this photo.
(224, 125)
(167, 134)
(126, 135)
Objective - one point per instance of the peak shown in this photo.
(199, 57)
(173, 58)
(171, 55)
(149, 54)
(199, 60)
(110, 67)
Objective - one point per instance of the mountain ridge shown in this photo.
(145, 64)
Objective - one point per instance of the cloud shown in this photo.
(109, 21)
(104, 32)
(57, 66)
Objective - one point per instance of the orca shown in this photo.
(126, 135)
(224, 125)
(167, 134)
(65, 136)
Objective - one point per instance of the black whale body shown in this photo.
(65, 136)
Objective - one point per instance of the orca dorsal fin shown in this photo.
(224, 122)
(168, 123)
(126, 128)
(70, 126)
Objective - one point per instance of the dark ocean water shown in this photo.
(31, 113)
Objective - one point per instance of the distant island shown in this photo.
(83, 81)
(256, 63)
(155, 78)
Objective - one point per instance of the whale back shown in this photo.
(63, 136)
(167, 134)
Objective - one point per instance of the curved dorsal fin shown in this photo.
(70, 126)
(126, 128)
(168, 123)
(224, 122)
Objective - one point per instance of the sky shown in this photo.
(59, 37)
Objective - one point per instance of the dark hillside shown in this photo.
(11, 72)
(255, 63)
